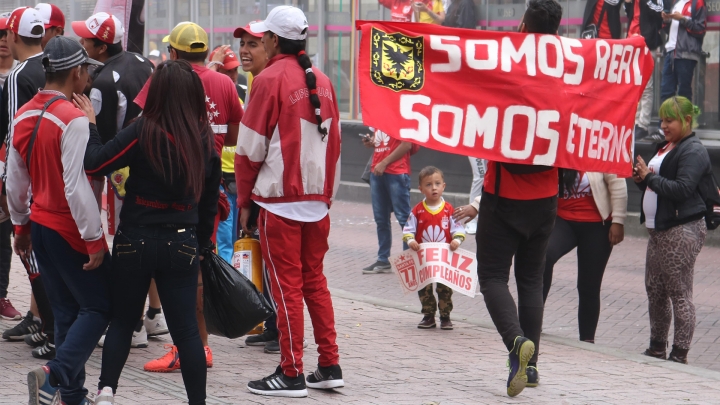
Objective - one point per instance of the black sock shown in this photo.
(151, 312)
(139, 325)
(53, 380)
(532, 364)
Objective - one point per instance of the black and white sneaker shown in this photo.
(261, 339)
(45, 352)
(26, 327)
(279, 385)
(35, 339)
(326, 378)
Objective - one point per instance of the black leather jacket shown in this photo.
(678, 184)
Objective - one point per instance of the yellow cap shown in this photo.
(188, 37)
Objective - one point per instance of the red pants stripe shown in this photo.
(294, 252)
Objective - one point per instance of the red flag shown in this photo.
(508, 97)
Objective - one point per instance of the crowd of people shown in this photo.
(226, 157)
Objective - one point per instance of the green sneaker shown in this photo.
(522, 351)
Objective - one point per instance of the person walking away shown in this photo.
(389, 190)
(166, 222)
(25, 31)
(461, 14)
(293, 182)
(189, 41)
(58, 220)
(685, 27)
(672, 210)
(516, 217)
(431, 221)
(591, 215)
(479, 168)
(53, 20)
(7, 310)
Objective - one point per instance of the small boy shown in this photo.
(432, 221)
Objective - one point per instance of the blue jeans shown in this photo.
(170, 255)
(80, 301)
(677, 77)
(390, 193)
(228, 230)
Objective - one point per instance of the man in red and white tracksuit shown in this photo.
(288, 159)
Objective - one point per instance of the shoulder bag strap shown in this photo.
(35, 131)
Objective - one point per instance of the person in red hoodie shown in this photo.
(288, 157)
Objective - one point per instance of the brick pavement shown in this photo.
(388, 361)
(623, 319)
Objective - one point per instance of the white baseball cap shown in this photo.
(23, 20)
(284, 21)
(103, 26)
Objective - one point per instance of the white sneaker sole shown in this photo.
(280, 393)
(14, 318)
(158, 333)
(326, 385)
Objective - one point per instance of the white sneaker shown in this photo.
(471, 228)
(139, 339)
(156, 326)
(105, 397)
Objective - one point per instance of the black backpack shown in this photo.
(710, 193)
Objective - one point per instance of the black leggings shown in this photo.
(593, 251)
(171, 257)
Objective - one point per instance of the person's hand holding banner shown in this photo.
(436, 263)
(507, 97)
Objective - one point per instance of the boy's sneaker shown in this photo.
(139, 339)
(26, 327)
(533, 378)
(446, 323)
(35, 339)
(273, 347)
(208, 357)
(279, 385)
(105, 397)
(518, 359)
(427, 322)
(326, 378)
(45, 352)
(8, 311)
(377, 268)
(39, 389)
(261, 339)
(155, 326)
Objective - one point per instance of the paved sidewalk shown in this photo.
(387, 360)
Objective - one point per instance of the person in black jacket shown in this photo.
(168, 216)
(672, 209)
(461, 14)
(605, 15)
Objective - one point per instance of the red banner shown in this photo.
(508, 97)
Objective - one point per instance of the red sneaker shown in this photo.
(208, 357)
(171, 361)
(8, 311)
(165, 364)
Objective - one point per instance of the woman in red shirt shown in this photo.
(591, 213)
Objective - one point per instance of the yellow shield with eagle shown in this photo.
(397, 61)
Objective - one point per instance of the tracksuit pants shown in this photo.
(293, 252)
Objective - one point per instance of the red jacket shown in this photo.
(281, 156)
(62, 198)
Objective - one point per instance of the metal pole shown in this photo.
(321, 35)
(212, 24)
(146, 39)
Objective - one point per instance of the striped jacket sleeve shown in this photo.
(256, 128)
(410, 227)
(18, 191)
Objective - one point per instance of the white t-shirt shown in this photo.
(674, 26)
(650, 199)
(301, 211)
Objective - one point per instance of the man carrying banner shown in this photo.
(516, 218)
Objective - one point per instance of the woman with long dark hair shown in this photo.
(287, 162)
(167, 216)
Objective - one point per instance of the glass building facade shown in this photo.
(333, 42)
